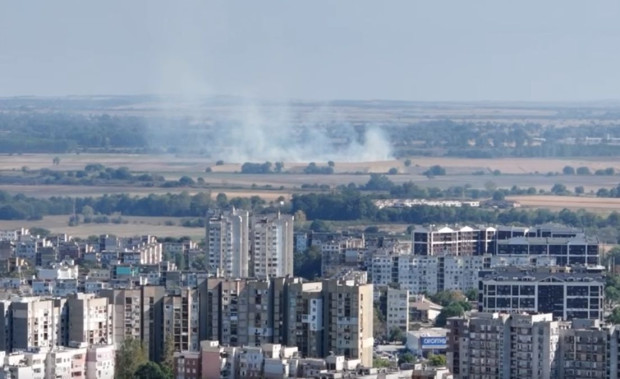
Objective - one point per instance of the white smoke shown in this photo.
(267, 134)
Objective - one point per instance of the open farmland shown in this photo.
(134, 226)
(194, 165)
(593, 204)
(226, 178)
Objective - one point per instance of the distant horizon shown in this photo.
(304, 100)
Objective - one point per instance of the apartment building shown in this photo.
(138, 313)
(90, 319)
(567, 244)
(227, 244)
(580, 249)
(397, 315)
(534, 346)
(565, 293)
(305, 326)
(271, 244)
(62, 362)
(318, 317)
(348, 316)
(36, 322)
(584, 350)
(494, 346)
(452, 241)
(100, 362)
(180, 319)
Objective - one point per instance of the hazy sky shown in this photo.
(410, 49)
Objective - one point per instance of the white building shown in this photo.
(227, 244)
(64, 270)
(100, 362)
(397, 315)
(271, 240)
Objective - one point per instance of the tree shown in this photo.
(56, 161)
(407, 162)
(490, 186)
(378, 182)
(568, 170)
(88, 212)
(300, 216)
(179, 261)
(435, 170)
(186, 181)
(380, 363)
(393, 171)
(437, 360)
(559, 189)
(150, 370)
(36, 231)
(221, 199)
(583, 171)
(499, 195)
(279, 166)
(167, 359)
(614, 317)
(396, 334)
(320, 226)
(331, 164)
(129, 357)
(452, 310)
(406, 358)
(307, 264)
(579, 190)
(472, 294)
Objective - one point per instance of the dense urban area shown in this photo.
(126, 257)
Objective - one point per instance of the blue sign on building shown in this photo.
(433, 342)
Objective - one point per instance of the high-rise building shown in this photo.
(271, 240)
(498, 346)
(227, 244)
(317, 317)
(37, 323)
(181, 319)
(348, 319)
(305, 325)
(240, 247)
(584, 350)
(90, 319)
(138, 313)
(397, 309)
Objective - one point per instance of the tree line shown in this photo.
(344, 205)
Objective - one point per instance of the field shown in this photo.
(522, 172)
(135, 226)
(594, 204)
(175, 166)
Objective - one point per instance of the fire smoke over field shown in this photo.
(259, 137)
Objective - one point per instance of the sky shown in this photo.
(474, 50)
